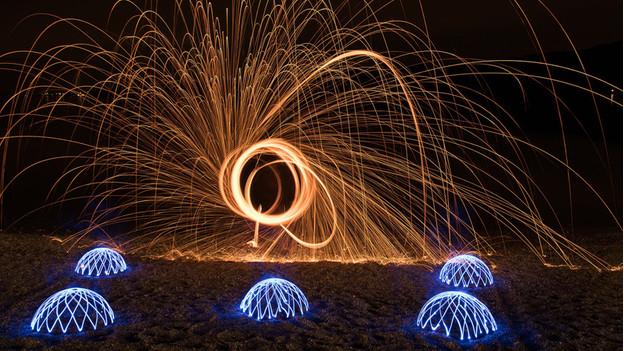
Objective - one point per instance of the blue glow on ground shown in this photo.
(456, 313)
(503, 338)
(101, 261)
(273, 296)
(73, 306)
(466, 271)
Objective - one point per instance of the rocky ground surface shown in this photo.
(184, 304)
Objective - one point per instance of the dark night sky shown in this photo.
(477, 28)
(492, 28)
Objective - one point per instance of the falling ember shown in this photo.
(611, 98)
(253, 142)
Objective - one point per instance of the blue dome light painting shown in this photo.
(466, 271)
(75, 308)
(272, 297)
(101, 261)
(459, 314)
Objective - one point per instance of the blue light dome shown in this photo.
(270, 297)
(101, 261)
(74, 307)
(460, 315)
(466, 271)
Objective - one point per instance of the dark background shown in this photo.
(491, 29)
(480, 28)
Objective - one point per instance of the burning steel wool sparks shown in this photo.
(284, 136)
(304, 189)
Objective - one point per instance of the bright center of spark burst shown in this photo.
(237, 191)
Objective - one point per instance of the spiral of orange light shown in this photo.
(305, 187)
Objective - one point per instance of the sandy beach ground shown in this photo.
(184, 304)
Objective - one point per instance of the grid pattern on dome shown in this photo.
(75, 307)
(270, 297)
(457, 314)
(101, 261)
(466, 271)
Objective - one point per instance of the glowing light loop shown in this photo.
(74, 306)
(458, 313)
(305, 184)
(466, 271)
(101, 261)
(273, 296)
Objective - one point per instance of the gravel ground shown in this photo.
(185, 304)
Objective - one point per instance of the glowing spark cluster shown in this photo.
(101, 261)
(270, 297)
(466, 271)
(367, 155)
(72, 307)
(458, 313)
